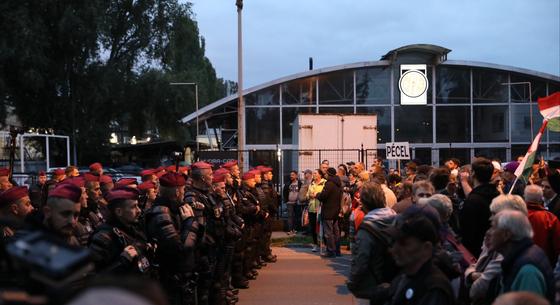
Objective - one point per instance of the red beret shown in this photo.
(201, 165)
(147, 172)
(122, 194)
(170, 168)
(219, 178)
(248, 175)
(126, 182)
(256, 172)
(146, 185)
(264, 169)
(77, 181)
(91, 178)
(4, 172)
(41, 173)
(172, 180)
(58, 172)
(161, 168)
(67, 191)
(183, 169)
(13, 194)
(221, 172)
(159, 174)
(229, 164)
(95, 166)
(105, 179)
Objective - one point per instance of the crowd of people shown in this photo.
(184, 235)
(471, 234)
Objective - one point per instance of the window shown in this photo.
(373, 86)
(488, 88)
(424, 155)
(336, 88)
(413, 124)
(521, 123)
(268, 96)
(262, 125)
(336, 110)
(383, 121)
(463, 154)
(453, 124)
(490, 123)
(453, 85)
(299, 92)
(520, 92)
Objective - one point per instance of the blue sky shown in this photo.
(280, 35)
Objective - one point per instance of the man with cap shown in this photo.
(148, 175)
(225, 231)
(258, 233)
(96, 205)
(199, 196)
(126, 183)
(119, 245)
(5, 182)
(106, 183)
(14, 205)
(148, 194)
(96, 169)
(172, 224)
(270, 206)
(250, 210)
(71, 171)
(62, 211)
(38, 191)
(235, 173)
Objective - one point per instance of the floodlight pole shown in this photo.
(241, 103)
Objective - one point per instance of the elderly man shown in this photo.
(525, 266)
(546, 226)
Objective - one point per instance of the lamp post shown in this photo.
(241, 103)
(196, 105)
(530, 101)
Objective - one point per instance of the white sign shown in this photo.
(413, 85)
(398, 151)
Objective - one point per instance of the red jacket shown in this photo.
(546, 230)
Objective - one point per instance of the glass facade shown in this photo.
(471, 110)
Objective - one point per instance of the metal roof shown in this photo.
(384, 62)
(424, 48)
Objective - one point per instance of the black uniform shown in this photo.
(89, 220)
(109, 241)
(38, 195)
(176, 241)
(247, 208)
(269, 205)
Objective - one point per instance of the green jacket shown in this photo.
(315, 188)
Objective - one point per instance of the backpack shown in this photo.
(389, 269)
(345, 204)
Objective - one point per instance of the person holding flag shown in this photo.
(550, 109)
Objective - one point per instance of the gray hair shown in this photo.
(515, 222)
(508, 202)
(533, 193)
(442, 204)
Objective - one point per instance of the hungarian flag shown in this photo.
(524, 169)
(550, 109)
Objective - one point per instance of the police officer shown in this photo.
(269, 205)
(119, 245)
(38, 191)
(15, 205)
(250, 211)
(171, 224)
(199, 196)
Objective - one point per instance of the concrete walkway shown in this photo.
(300, 277)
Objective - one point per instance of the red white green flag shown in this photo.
(524, 169)
(550, 109)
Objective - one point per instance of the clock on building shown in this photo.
(413, 84)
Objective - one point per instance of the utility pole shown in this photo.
(241, 103)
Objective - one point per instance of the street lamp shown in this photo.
(196, 102)
(530, 101)
(240, 104)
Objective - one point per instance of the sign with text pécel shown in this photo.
(398, 151)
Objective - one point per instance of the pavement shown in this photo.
(300, 277)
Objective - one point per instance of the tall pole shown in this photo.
(241, 103)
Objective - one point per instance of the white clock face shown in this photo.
(413, 83)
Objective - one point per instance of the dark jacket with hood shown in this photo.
(330, 198)
(475, 216)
